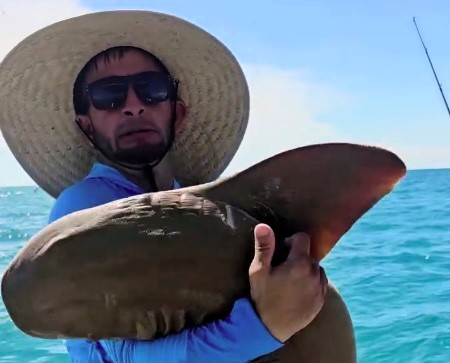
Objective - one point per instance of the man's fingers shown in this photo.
(264, 247)
(300, 247)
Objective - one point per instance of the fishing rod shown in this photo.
(431, 64)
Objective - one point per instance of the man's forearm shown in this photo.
(238, 338)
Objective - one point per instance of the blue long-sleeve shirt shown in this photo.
(238, 338)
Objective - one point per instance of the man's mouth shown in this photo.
(136, 132)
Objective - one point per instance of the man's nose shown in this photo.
(133, 105)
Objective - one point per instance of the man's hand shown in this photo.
(289, 296)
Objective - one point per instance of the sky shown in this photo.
(318, 71)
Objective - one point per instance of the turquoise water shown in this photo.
(392, 269)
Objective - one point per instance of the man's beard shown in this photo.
(141, 155)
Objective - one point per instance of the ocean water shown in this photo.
(392, 268)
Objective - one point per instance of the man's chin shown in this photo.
(140, 156)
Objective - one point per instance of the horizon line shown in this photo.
(37, 186)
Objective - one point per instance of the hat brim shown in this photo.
(36, 90)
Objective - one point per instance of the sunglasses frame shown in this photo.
(132, 80)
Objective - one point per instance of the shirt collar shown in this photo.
(104, 171)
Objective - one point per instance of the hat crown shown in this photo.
(36, 85)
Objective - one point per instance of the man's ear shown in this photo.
(85, 124)
(182, 113)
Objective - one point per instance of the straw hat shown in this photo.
(36, 85)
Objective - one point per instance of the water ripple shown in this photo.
(392, 269)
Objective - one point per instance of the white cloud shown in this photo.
(2, 142)
(288, 110)
(285, 113)
(20, 18)
(423, 157)
(14, 175)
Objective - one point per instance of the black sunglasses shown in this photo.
(151, 88)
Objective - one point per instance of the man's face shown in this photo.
(135, 132)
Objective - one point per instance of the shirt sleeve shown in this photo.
(85, 194)
(240, 337)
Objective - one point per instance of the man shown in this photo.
(154, 119)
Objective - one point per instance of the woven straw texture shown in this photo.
(36, 83)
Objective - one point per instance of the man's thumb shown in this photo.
(264, 246)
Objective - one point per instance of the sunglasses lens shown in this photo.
(152, 88)
(108, 96)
